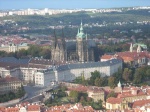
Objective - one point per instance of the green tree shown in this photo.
(99, 82)
(94, 75)
(111, 94)
(118, 75)
(137, 77)
(21, 53)
(34, 50)
(74, 94)
(111, 81)
(148, 73)
(127, 74)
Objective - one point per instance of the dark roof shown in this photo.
(45, 62)
(14, 60)
(9, 66)
(88, 65)
(11, 62)
(24, 61)
(8, 79)
(41, 61)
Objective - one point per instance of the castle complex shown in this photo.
(80, 50)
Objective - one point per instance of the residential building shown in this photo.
(9, 83)
(136, 98)
(133, 57)
(116, 103)
(69, 72)
(13, 47)
(39, 108)
(44, 77)
(132, 94)
(96, 93)
(38, 70)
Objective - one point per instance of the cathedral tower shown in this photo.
(58, 52)
(81, 45)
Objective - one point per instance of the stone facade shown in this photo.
(13, 47)
(79, 50)
(34, 72)
(9, 84)
(69, 72)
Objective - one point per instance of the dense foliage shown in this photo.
(41, 24)
(33, 51)
(12, 95)
(137, 76)
(59, 97)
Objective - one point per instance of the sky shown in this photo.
(70, 4)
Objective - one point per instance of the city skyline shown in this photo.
(68, 4)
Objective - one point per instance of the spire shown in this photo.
(119, 84)
(55, 39)
(81, 22)
(131, 47)
(63, 39)
(81, 27)
(139, 49)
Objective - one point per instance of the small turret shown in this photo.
(139, 49)
(131, 47)
(119, 84)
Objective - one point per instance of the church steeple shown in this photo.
(119, 84)
(80, 33)
(81, 27)
(131, 47)
(82, 45)
(139, 49)
(54, 40)
(58, 48)
(63, 39)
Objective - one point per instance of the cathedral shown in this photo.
(80, 49)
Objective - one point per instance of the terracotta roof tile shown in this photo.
(113, 100)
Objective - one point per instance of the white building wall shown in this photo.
(69, 75)
(44, 78)
(48, 78)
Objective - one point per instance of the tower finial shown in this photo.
(55, 39)
(81, 27)
(81, 21)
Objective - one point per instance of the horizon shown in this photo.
(70, 4)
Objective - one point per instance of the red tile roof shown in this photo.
(33, 108)
(129, 94)
(12, 109)
(128, 56)
(140, 103)
(113, 100)
(105, 56)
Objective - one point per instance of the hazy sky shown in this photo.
(70, 4)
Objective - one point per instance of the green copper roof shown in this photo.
(142, 45)
(80, 33)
